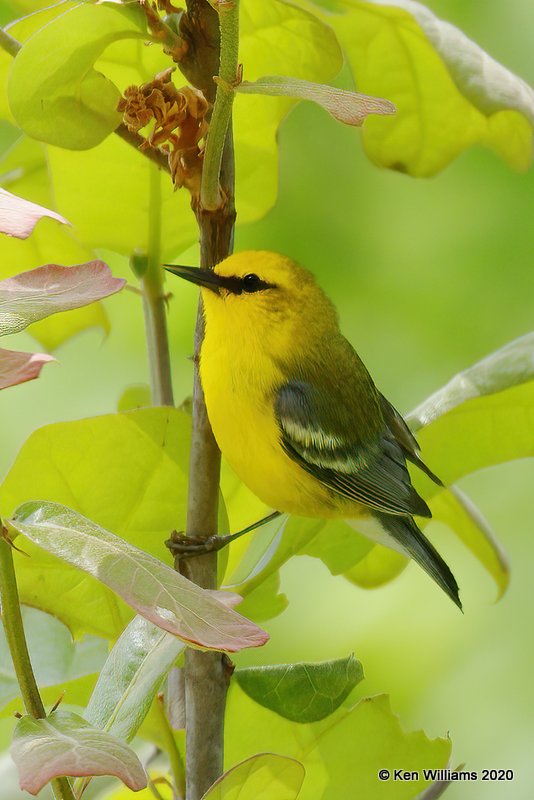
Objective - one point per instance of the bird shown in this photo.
(295, 412)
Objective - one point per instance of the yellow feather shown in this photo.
(245, 342)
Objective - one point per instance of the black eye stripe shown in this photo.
(249, 284)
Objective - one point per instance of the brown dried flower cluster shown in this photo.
(179, 117)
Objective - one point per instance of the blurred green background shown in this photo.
(429, 276)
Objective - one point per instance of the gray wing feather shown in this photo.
(405, 438)
(317, 434)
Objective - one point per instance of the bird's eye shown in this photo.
(251, 283)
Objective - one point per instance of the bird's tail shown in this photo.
(402, 534)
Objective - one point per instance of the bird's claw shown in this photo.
(182, 546)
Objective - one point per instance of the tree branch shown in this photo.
(207, 675)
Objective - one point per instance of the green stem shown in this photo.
(62, 789)
(210, 193)
(154, 308)
(12, 619)
(16, 640)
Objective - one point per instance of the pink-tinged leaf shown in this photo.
(349, 107)
(64, 744)
(18, 367)
(153, 589)
(18, 217)
(37, 294)
(230, 599)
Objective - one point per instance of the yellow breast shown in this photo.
(240, 389)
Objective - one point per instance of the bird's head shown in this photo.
(262, 292)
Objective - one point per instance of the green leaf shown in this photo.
(31, 6)
(348, 107)
(59, 663)
(448, 92)
(34, 295)
(275, 37)
(132, 480)
(153, 589)
(55, 94)
(304, 692)
(481, 432)
(380, 566)
(263, 777)
(481, 417)
(341, 754)
(511, 365)
(134, 397)
(487, 84)
(131, 677)
(456, 510)
(267, 550)
(64, 744)
(78, 177)
(22, 29)
(255, 560)
(119, 221)
(337, 546)
(265, 600)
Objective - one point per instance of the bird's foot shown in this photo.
(182, 546)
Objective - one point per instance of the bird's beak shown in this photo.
(205, 278)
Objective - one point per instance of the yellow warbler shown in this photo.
(296, 413)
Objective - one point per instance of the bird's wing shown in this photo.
(405, 437)
(319, 431)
